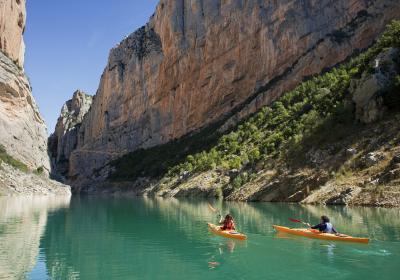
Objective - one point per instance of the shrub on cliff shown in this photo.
(6, 158)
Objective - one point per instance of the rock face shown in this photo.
(12, 26)
(64, 140)
(198, 62)
(23, 131)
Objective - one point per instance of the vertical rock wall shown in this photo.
(197, 62)
(22, 130)
(12, 26)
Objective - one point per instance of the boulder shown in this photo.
(371, 159)
(351, 152)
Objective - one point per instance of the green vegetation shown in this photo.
(317, 104)
(39, 170)
(156, 161)
(6, 158)
(320, 106)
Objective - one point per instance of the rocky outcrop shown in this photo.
(12, 26)
(14, 182)
(23, 131)
(371, 88)
(64, 140)
(198, 62)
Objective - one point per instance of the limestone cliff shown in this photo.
(22, 130)
(12, 26)
(24, 162)
(64, 140)
(198, 62)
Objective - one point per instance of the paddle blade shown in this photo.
(212, 208)
(295, 220)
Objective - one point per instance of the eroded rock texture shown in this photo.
(12, 26)
(197, 62)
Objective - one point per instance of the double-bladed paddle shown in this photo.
(299, 221)
(214, 210)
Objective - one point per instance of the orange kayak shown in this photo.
(312, 233)
(226, 233)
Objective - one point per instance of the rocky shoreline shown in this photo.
(14, 182)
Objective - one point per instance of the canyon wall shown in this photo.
(199, 62)
(12, 26)
(23, 132)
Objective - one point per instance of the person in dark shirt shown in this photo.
(325, 226)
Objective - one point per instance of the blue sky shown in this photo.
(67, 45)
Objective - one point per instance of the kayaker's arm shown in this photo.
(320, 227)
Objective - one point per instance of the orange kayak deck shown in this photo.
(226, 233)
(310, 233)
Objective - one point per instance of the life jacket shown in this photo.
(228, 225)
(328, 228)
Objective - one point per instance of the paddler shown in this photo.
(325, 226)
(228, 223)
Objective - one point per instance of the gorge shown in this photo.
(177, 91)
(206, 66)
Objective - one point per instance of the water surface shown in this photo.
(143, 238)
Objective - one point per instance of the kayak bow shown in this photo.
(226, 233)
(311, 233)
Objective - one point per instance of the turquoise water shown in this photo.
(142, 238)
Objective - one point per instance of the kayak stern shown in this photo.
(226, 233)
(320, 235)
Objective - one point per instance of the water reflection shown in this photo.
(22, 223)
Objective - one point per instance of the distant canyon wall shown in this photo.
(64, 139)
(198, 62)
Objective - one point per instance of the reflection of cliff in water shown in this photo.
(96, 237)
(112, 231)
(360, 220)
(22, 223)
(259, 217)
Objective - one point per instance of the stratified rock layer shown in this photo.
(12, 26)
(22, 130)
(197, 62)
(64, 140)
